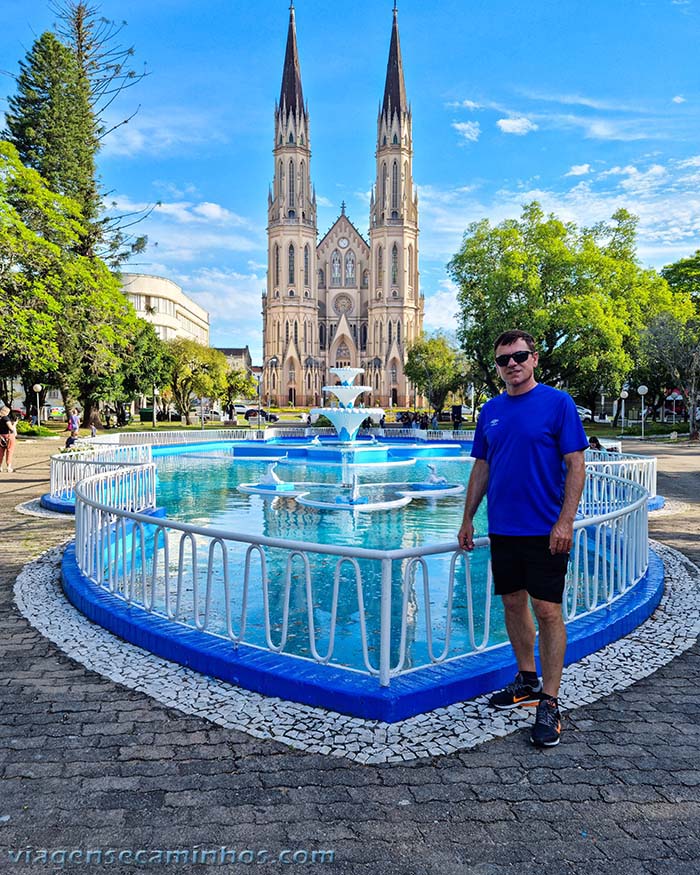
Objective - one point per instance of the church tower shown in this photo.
(395, 313)
(346, 301)
(290, 304)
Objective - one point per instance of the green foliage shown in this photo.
(27, 430)
(239, 384)
(196, 371)
(673, 345)
(684, 276)
(435, 368)
(579, 292)
(51, 124)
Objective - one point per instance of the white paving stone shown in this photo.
(672, 629)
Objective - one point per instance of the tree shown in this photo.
(674, 346)
(196, 371)
(684, 276)
(239, 384)
(65, 321)
(580, 293)
(435, 368)
(51, 124)
(105, 65)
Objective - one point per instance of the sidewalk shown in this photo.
(88, 764)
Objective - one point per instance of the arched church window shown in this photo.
(291, 137)
(365, 279)
(350, 269)
(335, 268)
(380, 266)
(389, 332)
(321, 278)
(394, 264)
(395, 186)
(392, 373)
(363, 336)
(277, 264)
(395, 141)
(280, 180)
(292, 186)
(384, 184)
(322, 336)
(302, 185)
(410, 266)
(291, 262)
(308, 380)
(307, 266)
(398, 332)
(296, 331)
(286, 331)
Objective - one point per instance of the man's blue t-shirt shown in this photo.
(524, 438)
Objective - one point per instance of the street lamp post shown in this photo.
(155, 396)
(642, 391)
(623, 397)
(37, 387)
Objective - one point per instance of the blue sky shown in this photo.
(585, 106)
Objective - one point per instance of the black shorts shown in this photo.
(524, 562)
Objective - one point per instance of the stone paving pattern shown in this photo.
(86, 763)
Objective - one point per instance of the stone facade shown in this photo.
(347, 301)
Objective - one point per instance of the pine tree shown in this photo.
(52, 126)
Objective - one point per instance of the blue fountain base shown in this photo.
(335, 689)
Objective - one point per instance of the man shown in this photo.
(529, 450)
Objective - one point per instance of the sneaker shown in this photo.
(10, 469)
(547, 729)
(517, 693)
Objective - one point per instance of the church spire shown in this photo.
(291, 92)
(394, 88)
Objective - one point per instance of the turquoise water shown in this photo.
(201, 488)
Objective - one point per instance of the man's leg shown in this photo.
(521, 628)
(552, 644)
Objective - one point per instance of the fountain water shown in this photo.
(347, 418)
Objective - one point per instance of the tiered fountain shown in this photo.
(347, 418)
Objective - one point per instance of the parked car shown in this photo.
(585, 414)
(240, 408)
(255, 412)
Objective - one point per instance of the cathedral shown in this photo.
(343, 301)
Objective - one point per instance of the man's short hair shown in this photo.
(509, 337)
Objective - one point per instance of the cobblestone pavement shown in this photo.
(86, 764)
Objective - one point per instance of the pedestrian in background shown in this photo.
(8, 438)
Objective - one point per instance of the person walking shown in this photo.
(529, 450)
(8, 438)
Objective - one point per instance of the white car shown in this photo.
(585, 414)
(240, 407)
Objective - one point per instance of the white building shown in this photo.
(162, 302)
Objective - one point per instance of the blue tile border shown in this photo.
(57, 505)
(335, 689)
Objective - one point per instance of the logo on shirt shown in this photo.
(493, 422)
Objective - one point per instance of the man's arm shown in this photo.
(478, 482)
(561, 538)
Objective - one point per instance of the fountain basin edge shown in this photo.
(326, 686)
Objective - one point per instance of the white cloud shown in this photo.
(441, 308)
(322, 201)
(579, 170)
(519, 125)
(158, 133)
(470, 131)
(678, 99)
(465, 104)
(579, 100)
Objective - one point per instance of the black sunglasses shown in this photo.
(519, 357)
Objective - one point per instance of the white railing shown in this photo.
(167, 438)
(639, 469)
(210, 578)
(68, 468)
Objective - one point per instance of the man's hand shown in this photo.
(561, 538)
(466, 535)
